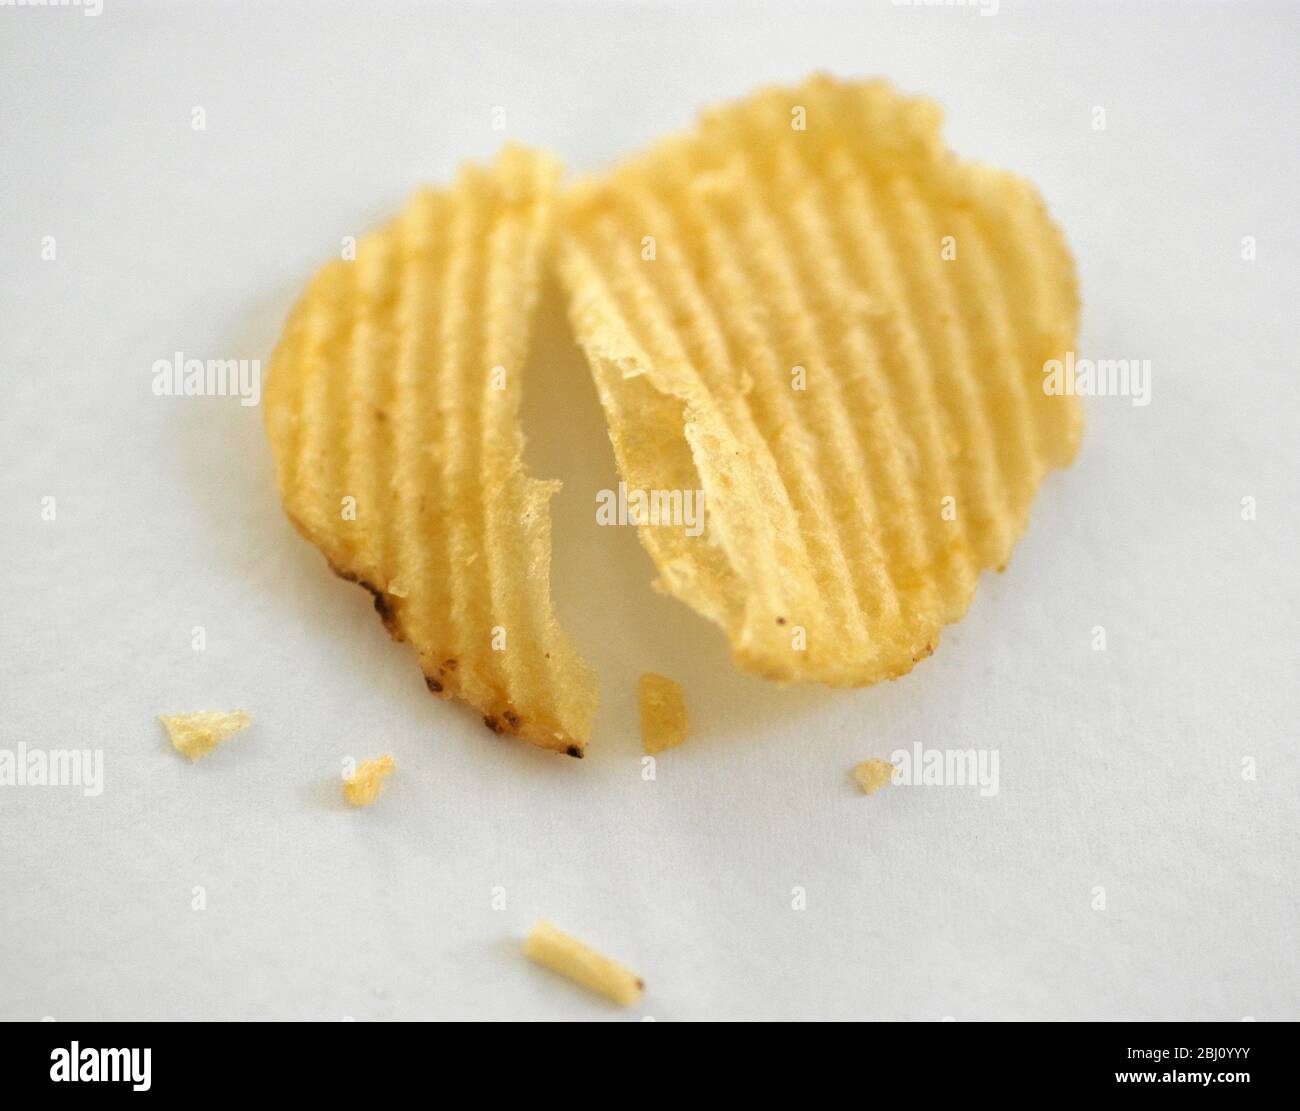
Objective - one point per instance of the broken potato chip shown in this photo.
(392, 407)
(810, 310)
(196, 735)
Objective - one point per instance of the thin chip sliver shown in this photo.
(568, 956)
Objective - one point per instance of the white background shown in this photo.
(1120, 769)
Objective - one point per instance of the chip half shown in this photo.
(392, 407)
(810, 310)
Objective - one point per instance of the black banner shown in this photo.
(347, 1060)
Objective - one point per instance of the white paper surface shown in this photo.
(1119, 769)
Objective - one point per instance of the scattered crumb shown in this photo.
(569, 957)
(873, 774)
(663, 713)
(198, 734)
(364, 785)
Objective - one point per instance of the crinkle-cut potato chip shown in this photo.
(663, 712)
(392, 406)
(772, 316)
(196, 735)
(362, 787)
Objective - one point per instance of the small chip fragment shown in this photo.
(874, 774)
(198, 734)
(663, 712)
(362, 787)
(569, 957)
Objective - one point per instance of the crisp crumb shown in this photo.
(363, 786)
(195, 735)
(663, 713)
(871, 775)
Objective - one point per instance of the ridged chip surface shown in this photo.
(392, 405)
(847, 520)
